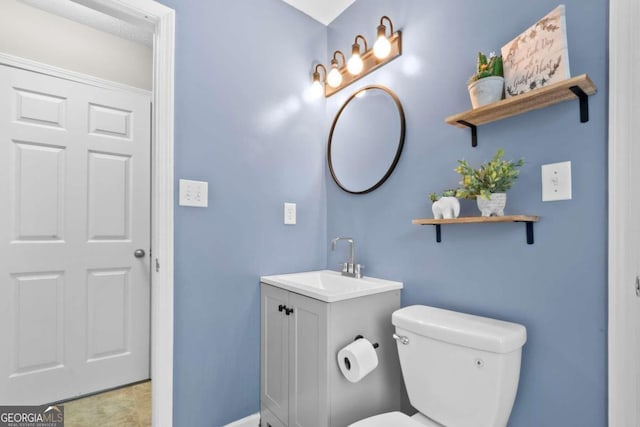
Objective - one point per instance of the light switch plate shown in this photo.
(290, 213)
(194, 193)
(556, 181)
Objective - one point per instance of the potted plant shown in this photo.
(446, 206)
(487, 84)
(488, 183)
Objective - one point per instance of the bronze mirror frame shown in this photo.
(400, 142)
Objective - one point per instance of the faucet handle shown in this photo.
(345, 267)
(357, 270)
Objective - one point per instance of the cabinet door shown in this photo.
(308, 374)
(267, 419)
(274, 354)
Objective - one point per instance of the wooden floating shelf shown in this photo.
(579, 88)
(527, 219)
(477, 219)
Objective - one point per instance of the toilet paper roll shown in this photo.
(357, 360)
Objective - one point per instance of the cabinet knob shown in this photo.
(281, 307)
(288, 311)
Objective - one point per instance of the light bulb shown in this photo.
(354, 65)
(382, 47)
(316, 89)
(334, 78)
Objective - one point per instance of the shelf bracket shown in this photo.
(474, 131)
(583, 99)
(529, 230)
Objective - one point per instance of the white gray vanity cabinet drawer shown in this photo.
(300, 382)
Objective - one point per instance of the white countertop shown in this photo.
(330, 286)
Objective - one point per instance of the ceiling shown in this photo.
(76, 12)
(323, 11)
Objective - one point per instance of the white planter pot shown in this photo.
(446, 208)
(486, 91)
(494, 206)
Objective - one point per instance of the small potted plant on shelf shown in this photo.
(447, 206)
(488, 183)
(487, 84)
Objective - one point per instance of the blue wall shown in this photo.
(244, 124)
(556, 287)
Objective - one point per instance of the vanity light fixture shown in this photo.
(386, 48)
(355, 64)
(334, 78)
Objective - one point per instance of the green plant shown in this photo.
(488, 67)
(495, 176)
(446, 193)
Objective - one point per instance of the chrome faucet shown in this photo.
(349, 268)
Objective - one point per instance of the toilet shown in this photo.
(460, 370)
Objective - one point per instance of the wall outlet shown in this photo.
(194, 193)
(290, 213)
(556, 181)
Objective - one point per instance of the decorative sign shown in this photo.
(537, 57)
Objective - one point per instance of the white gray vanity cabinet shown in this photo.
(293, 341)
(301, 383)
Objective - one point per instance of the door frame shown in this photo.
(624, 92)
(160, 19)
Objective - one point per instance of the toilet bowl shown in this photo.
(460, 370)
(396, 419)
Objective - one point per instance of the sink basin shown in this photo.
(330, 286)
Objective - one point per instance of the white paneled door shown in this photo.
(74, 208)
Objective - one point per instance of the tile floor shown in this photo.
(124, 407)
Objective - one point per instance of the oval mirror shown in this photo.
(366, 139)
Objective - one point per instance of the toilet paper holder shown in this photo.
(347, 362)
(375, 345)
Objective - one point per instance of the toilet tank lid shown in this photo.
(467, 330)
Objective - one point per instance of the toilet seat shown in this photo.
(395, 419)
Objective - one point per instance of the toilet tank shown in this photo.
(460, 370)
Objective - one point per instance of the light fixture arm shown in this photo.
(335, 59)
(383, 27)
(316, 73)
(356, 46)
